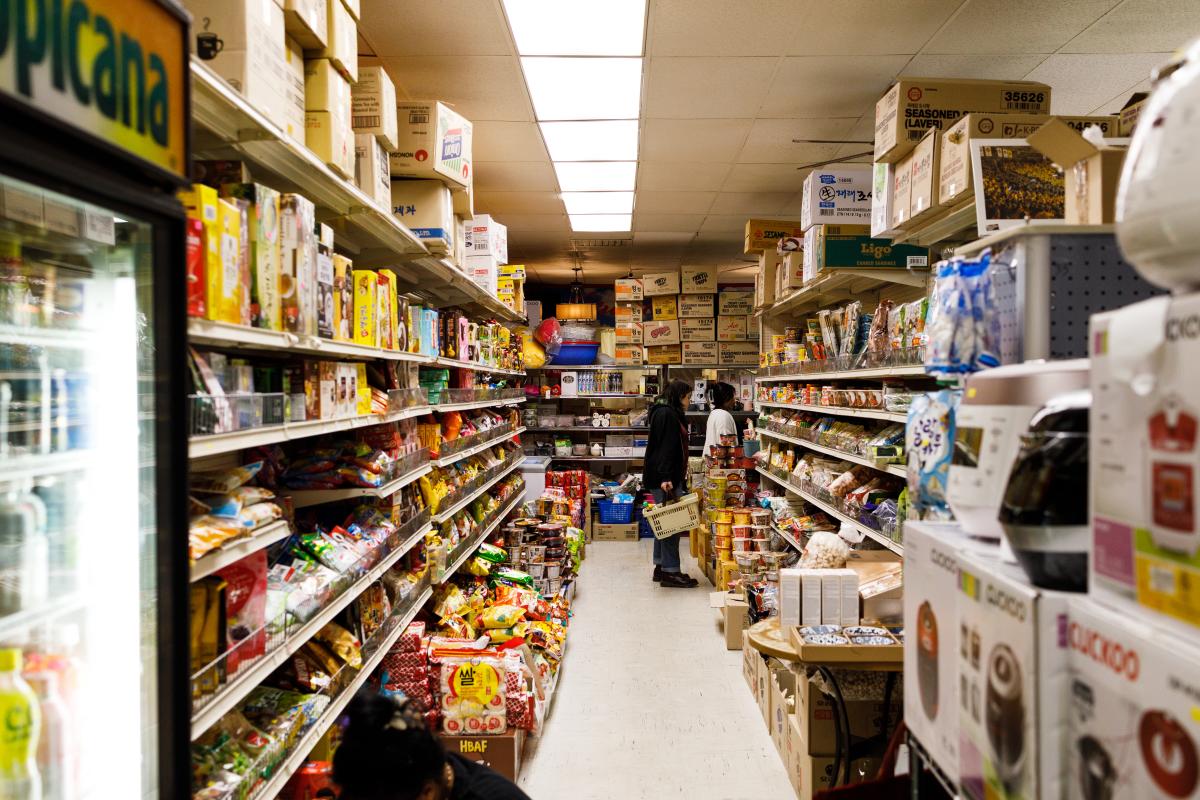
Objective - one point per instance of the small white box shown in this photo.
(569, 382)
(371, 169)
(882, 192)
(831, 597)
(789, 598)
(810, 593)
(487, 237)
(837, 195)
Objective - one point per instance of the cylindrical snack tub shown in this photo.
(741, 516)
(724, 529)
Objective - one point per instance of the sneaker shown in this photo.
(658, 574)
(677, 580)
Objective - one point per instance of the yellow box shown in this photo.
(764, 234)
(330, 137)
(325, 88)
(664, 354)
(366, 307)
(665, 307)
(343, 299)
(341, 41)
(224, 294)
(387, 309)
(364, 390)
(201, 203)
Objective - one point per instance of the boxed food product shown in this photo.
(434, 141)
(764, 234)
(200, 202)
(836, 194)
(696, 305)
(484, 236)
(265, 251)
(882, 198)
(629, 333)
(698, 329)
(330, 137)
(923, 184)
(366, 307)
(325, 322)
(484, 271)
(955, 183)
(628, 312)
(902, 191)
(325, 88)
(791, 270)
(655, 284)
(664, 354)
(814, 717)
(245, 44)
(373, 106)
(627, 355)
(341, 42)
(1144, 461)
(306, 21)
(1092, 171)
(628, 289)
(1013, 686)
(735, 302)
(914, 105)
(851, 247)
(765, 279)
(371, 169)
(731, 328)
(298, 264)
(387, 318)
(737, 354)
(665, 307)
(425, 207)
(698, 280)
(196, 282)
(661, 332)
(224, 296)
(343, 298)
(293, 91)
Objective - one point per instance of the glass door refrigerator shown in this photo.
(94, 145)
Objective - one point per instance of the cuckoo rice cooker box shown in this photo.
(931, 645)
(1145, 458)
(1129, 731)
(1012, 665)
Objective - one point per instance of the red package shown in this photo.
(519, 710)
(313, 781)
(245, 609)
(196, 286)
(410, 640)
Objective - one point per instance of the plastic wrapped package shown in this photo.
(929, 444)
(825, 551)
(472, 695)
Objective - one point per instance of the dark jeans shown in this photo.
(666, 551)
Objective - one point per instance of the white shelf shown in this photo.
(62, 338)
(835, 286)
(518, 496)
(316, 497)
(597, 458)
(911, 371)
(508, 401)
(791, 539)
(262, 537)
(301, 750)
(454, 458)
(236, 690)
(39, 615)
(215, 443)
(893, 469)
(870, 533)
(456, 364)
(839, 411)
(463, 502)
(224, 334)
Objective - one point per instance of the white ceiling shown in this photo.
(728, 85)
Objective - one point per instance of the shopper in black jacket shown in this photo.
(666, 473)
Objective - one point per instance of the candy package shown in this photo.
(930, 448)
(224, 481)
(245, 609)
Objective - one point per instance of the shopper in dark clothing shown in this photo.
(666, 473)
(388, 753)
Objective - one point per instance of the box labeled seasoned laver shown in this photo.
(698, 330)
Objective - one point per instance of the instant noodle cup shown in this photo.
(741, 516)
(724, 542)
(724, 529)
(742, 545)
(724, 516)
(761, 517)
(742, 531)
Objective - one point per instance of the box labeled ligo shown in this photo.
(735, 302)
(655, 284)
(665, 307)
(737, 354)
(373, 106)
(764, 234)
(628, 289)
(434, 142)
(629, 333)
(837, 195)
(664, 354)
(694, 306)
(698, 329)
(851, 247)
(914, 105)
(698, 280)
(425, 207)
(660, 332)
(696, 353)
(628, 312)
(731, 329)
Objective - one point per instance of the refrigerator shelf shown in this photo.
(316, 497)
(39, 615)
(446, 461)
(223, 334)
(462, 503)
(36, 465)
(518, 496)
(64, 338)
(217, 705)
(263, 537)
(300, 751)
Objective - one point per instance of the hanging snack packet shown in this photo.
(224, 481)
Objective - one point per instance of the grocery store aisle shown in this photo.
(650, 704)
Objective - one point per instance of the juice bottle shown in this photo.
(56, 744)
(20, 727)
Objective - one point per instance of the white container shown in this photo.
(837, 195)
(831, 597)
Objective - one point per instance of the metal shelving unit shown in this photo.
(262, 537)
(839, 411)
(478, 448)
(316, 497)
(909, 371)
(463, 502)
(870, 533)
(589, 429)
(483, 535)
(893, 469)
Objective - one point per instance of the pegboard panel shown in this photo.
(1008, 292)
(1087, 275)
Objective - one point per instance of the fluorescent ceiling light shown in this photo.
(596, 176)
(576, 27)
(610, 140)
(598, 202)
(584, 88)
(607, 223)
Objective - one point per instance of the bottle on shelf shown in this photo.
(20, 719)
(56, 742)
(24, 550)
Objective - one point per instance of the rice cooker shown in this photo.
(1157, 203)
(996, 407)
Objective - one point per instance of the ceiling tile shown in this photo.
(1082, 82)
(713, 140)
(792, 207)
(1016, 26)
(723, 223)
(422, 28)
(893, 28)
(750, 203)
(667, 223)
(674, 202)
(508, 141)
(536, 222)
(744, 28)
(663, 236)
(983, 66)
(830, 86)
(696, 176)
(514, 176)
(501, 203)
(479, 87)
(730, 88)
(1140, 26)
(764, 178)
(1113, 104)
(770, 140)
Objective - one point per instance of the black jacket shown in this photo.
(666, 448)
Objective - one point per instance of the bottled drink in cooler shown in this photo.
(24, 550)
(56, 743)
(20, 727)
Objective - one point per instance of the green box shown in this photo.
(851, 247)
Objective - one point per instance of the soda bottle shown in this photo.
(20, 727)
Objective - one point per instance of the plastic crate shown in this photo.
(614, 513)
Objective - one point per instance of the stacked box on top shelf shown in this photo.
(434, 142)
(837, 195)
(374, 106)
(327, 115)
(425, 207)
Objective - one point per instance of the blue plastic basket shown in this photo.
(614, 513)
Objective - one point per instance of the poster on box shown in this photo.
(1015, 183)
(664, 307)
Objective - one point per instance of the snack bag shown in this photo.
(245, 609)
(343, 643)
(472, 692)
(224, 481)
(501, 616)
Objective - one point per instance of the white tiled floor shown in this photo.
(650, 703)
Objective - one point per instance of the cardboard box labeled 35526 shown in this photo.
(1092, 171)
(764, 234)
(434, 141)
(914, 105)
